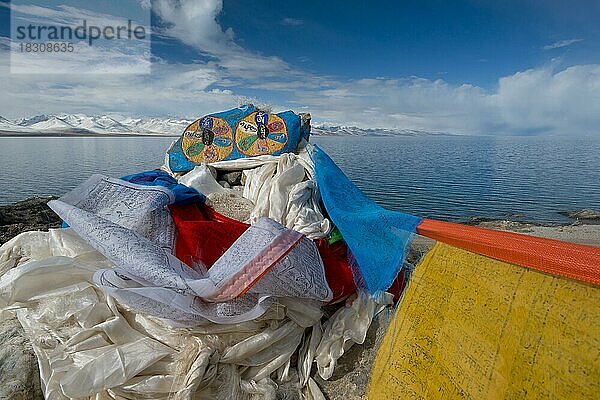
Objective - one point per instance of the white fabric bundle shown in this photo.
(88, 346)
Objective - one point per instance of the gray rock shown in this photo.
(225, 184)
(233, 178)
(212, 170)
(27, 215)
(19, 374)
(584, 213)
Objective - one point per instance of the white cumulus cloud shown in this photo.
(546, 100)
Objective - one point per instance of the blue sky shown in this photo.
(458, 41)
(477, 67)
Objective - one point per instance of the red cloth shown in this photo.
(337, 271)
(203, 235)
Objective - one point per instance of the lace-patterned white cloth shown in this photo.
(267, 260)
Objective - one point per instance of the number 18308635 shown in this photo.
(46, 47)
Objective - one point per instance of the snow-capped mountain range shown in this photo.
(80, 124)
(335, 130)
(96, 124)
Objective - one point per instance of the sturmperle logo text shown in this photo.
(80, 37)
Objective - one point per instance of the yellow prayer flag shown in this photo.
(470, 327)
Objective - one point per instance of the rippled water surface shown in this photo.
(522, 178)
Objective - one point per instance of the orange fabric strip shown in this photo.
(575, 261)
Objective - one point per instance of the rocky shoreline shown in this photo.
(28, 215)
(33, 214)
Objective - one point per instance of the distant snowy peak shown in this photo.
(32, 120)
(52, 123)
(158, 125)
(10, 126)
(6, 124)
(102, 124)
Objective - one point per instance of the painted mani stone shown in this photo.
(241, 132)
(207, 140)
(260, 133)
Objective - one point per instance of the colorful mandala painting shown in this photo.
(207, 140)
(261, 133)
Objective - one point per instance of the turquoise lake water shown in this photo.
(447, 177)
